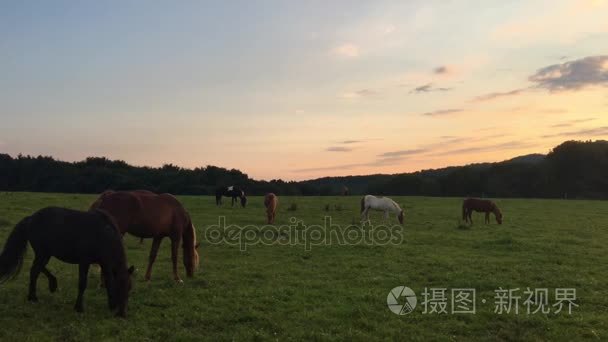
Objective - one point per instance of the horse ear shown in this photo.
(131, 270)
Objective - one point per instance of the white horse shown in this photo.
(384, 204)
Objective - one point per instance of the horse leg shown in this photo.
(37, 267)
(364, 215)
(367, 216)
(153, 252)
(109, 281)
(52, 280)
(470, 216)
(487, 217)
(83, 274)
(233, 200)
(174, 249)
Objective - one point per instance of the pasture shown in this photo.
(284, 292)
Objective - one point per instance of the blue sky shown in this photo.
(301, 89)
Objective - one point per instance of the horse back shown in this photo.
(163, 210)
(75, 236)
(270, 201)
(478, 204)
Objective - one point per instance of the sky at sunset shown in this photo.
(301, 89)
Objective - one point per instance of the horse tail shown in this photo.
(362, 204)
(11, 258)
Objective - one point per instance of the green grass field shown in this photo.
(284, 292)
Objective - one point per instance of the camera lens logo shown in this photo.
(401, 300)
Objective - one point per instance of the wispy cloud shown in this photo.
(402, 153)
(445, 140)
(572, 123)
(338, 149)
(347, 142)
(331, 168)
(347, 50)
(377, 162)
(554, 111)
(510, 145)
(589, 132)
(443, 112)
(360, 93)
(496, 95)
(444, 70)
(568, 76)
(427, 88)
(573, 75)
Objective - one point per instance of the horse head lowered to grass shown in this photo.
(75, 237)
(384, 204)
(233, 192)
(485, 206)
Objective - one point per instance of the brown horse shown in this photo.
(145, 214)
(481, 206)
(271, 201)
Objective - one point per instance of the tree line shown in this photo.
(574, 169)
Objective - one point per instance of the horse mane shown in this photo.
(495, 209)
(395, 204)
(189, 245)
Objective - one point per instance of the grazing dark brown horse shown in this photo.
(147, 215)
(271, 201)
(75, 237)
(481, 206)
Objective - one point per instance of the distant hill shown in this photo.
(574, 169)
(534, 158)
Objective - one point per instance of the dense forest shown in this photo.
(574, 169)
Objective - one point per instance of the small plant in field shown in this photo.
(327, 207)
(338, 207)
(292, 207)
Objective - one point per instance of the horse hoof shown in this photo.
(32, 299)
(79, 309)
(179, 281)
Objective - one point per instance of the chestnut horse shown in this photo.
(147, 215)
(481, 206)
(271, 201)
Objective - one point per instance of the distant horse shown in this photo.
(484, 206)
(75, 237)
(148, 215)
(271, 201)
(230, 191)
(345, 191)
(384, 204)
